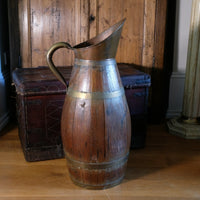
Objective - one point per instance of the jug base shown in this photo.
(98, 187)
(98, 178)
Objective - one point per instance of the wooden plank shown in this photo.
(37, 24)
(117, 15)
(84, 19)
(133, 39)
(104, 8)
(25, 33)
(69, 22)
(109, 13)
(149, 28)
(160, 30)
(77, 18)
(93, 12)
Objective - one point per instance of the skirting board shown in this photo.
(4, 120)
(176, 91)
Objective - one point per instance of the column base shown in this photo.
(185, 130)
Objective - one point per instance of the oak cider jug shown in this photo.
(95, 124)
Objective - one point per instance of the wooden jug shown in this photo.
(95, 124)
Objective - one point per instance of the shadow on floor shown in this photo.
(161, 152)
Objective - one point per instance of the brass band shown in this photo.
(95, 95)
(95, 166)
(91, 63)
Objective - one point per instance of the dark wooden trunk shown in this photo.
(40, 97)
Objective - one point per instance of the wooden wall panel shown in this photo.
(137, 42)
(54, 21)
(148, 36)
(112, 11)
(44, 22)
(160, 33)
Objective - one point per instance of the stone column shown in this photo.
(188, 125)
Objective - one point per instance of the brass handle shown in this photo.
(50, 62)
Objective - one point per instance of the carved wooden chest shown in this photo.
(40, 97)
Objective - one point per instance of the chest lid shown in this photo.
(133, 78)
(39, 80)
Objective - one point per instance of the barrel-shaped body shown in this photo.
(95, 124)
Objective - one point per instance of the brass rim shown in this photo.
(95, 95)
(91, 63)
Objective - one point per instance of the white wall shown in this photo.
(183, 15)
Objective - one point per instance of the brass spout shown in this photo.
(101, 47)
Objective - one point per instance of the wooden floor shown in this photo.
(167, 169)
